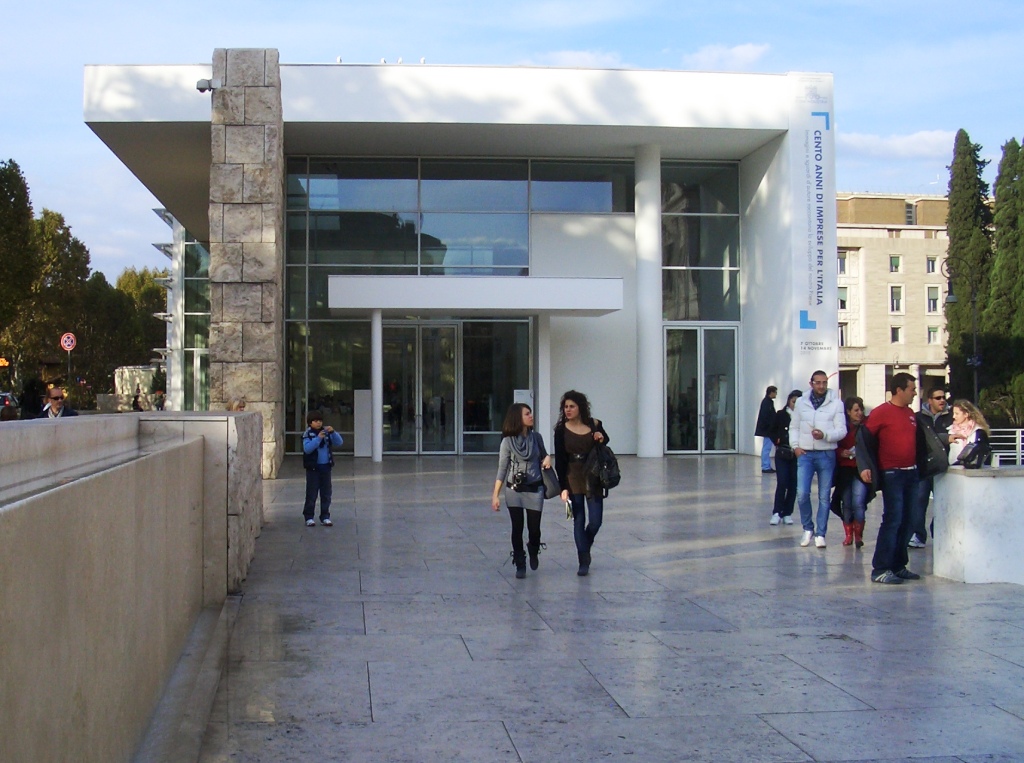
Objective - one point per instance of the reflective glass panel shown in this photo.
(496, 362)
(188, 380)
(297, 185)
(470, 186)
(362, 238)
(295, 239)
(400, 409)
(363, 184)
(203, 387)
(582, 187)
(708, 242)
(295, 379)
(197, 261)
(475, 240)
(719, 389)
(295, 294)
(197, 295)
(700, 188)
(683, 401)
(339, 363)
(438, 416)
(700, 295)
(197, 331)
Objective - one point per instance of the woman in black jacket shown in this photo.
(575, 435)
(785, 464)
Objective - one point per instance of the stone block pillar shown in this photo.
(247, 241)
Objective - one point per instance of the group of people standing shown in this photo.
(893, 450)
(521, 459)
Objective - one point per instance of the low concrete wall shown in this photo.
(232, 483)
(101, 582)
(115, 533)
(978, 530)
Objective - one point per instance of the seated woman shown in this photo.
(968, 426)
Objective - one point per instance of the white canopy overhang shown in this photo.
(453, 296)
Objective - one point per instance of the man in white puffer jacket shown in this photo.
(818, 423)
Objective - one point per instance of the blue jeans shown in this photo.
(898, 489)
(785, 487)
(919, 509)
(766, 452)
(582, 532)
(318, 481)
(855, 501)
(822, 463)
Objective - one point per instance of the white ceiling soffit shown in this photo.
(473, 295)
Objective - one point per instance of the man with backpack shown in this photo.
(317, 442)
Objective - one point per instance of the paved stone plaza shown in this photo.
(701, 634)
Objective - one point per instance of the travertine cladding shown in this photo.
(247, 241)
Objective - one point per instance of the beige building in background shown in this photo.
(892, 292)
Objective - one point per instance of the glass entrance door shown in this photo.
(700, 378)
(420, 371)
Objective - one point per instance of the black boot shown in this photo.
(534, 549)
(519, 560)
(584, 569)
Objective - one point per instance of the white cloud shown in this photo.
(721, 58)
(584, 59)
(924, 144)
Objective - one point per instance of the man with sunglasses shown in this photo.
(55, 408)
(935, 415)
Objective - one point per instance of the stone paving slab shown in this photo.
(701, 634)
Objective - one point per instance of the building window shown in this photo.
(842, 262)
(894, 263)
(700, 238)
(895, 299)
(911, 214)
(894, 233)
(933, 335)
(929, 264)
(933, 299)
(895, 334)
(844, 332)
(842, 297)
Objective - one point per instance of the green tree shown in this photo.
(149, 298)
(18, 259)
(969, 254)
(109, 332)
(53, 301)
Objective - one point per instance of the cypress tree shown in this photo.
(1004, 300)
(969, 255)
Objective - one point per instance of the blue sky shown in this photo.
(907, 74)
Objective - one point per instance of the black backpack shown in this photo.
(603, 467)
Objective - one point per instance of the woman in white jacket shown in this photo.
(818, 424)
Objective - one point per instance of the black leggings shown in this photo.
(532, 521)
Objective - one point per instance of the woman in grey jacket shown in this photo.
(818, 424)
(521, 457)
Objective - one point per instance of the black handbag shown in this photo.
(785, 452)
(974, 455)
(551, 486)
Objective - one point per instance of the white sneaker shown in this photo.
(787, 520)
(775, 519)
(915, 542)
(806, 540)
(819, 541)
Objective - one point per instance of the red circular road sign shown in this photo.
(68, 341)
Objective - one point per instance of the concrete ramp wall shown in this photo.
(114, 535)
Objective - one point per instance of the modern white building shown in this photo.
(413, 247)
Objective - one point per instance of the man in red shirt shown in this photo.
(894, 427)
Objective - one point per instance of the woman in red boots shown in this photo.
(851, 494)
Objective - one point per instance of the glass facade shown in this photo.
(196, 326)
(700, 237)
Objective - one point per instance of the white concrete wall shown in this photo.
(101, 580)
(115, 531)
(978, 532)
(766, 285)
(596, 356)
